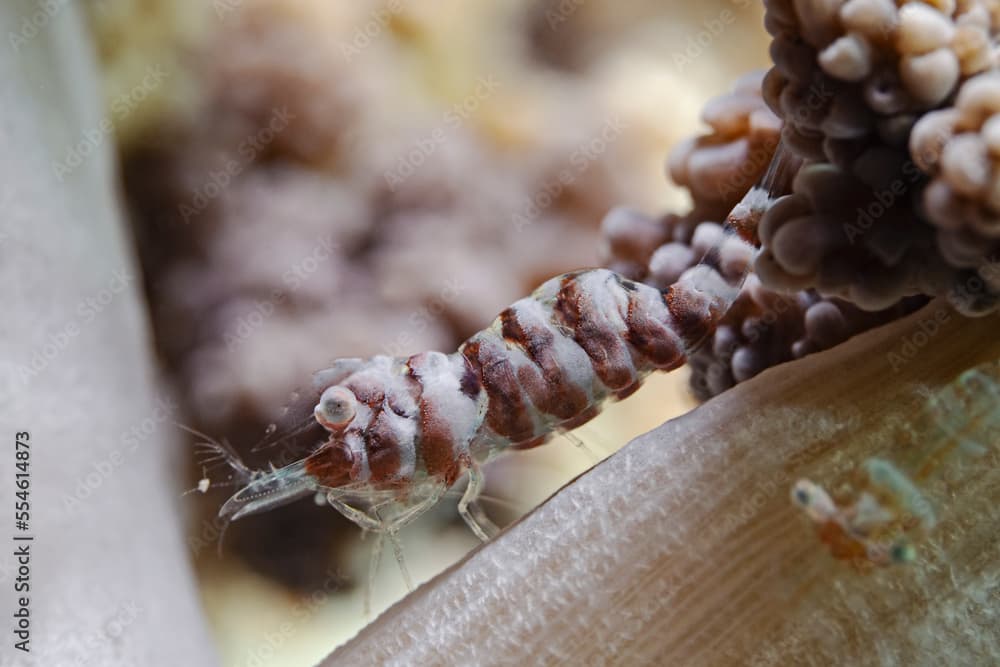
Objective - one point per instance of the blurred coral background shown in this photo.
(310, 180)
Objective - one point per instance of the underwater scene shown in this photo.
(509, 332)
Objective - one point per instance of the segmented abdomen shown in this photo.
(545, 364)
(551, 359)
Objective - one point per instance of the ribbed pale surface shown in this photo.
(684, 548)
(110, 583)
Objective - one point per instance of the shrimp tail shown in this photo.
(708, 290)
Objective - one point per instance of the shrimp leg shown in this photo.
(354, 514)
(469, 509)
(376, 559)
(397, 548)
(397, 551)
(581, 445)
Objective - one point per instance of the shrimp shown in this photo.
(872, 529)
(398, 433)
(883, 515)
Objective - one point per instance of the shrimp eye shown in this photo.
(336, 407)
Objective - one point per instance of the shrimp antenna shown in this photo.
(298, 429)
(218, 451)
(215, 451)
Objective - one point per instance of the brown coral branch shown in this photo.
(765, 327)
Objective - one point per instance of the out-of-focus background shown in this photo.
(310, 179)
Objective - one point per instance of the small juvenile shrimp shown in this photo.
(400, 432)
(872, 528)
(875, 524)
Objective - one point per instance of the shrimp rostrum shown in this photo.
(400, 432)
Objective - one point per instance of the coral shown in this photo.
(264, 63)
(880, 215)
(959, 147)
(876, 217)
(719, 167)
(765, 326)
(860, 235)
(861, 70)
